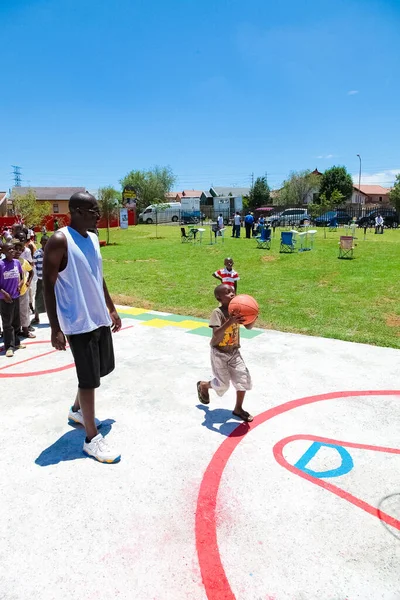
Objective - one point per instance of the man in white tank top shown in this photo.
(81, 311)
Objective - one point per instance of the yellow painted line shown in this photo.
(132, 311)
(157, 323)
(180, 324)
(191, 324)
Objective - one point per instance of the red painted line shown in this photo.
(212, 571)
(324, 440)
(35, 373)
(43, 372)
(20, 362)
(278, 453)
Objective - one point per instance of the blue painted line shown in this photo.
(345, 467)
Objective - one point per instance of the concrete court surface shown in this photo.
(302, 505)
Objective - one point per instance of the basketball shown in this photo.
(246, 306)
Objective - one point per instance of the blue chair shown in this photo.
(264, 240)
(287, 242)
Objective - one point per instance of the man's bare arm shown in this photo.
(116, 321)
(54, 257)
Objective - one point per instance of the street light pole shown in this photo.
(359, 178)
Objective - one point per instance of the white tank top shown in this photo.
(81, 306)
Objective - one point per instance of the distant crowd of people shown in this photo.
(21, 284)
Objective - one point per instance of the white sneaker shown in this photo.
(99, 449)
(76, 418)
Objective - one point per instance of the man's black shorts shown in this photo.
(94, 356)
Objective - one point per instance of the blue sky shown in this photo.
(217, 89)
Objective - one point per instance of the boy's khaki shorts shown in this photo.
(229, 367)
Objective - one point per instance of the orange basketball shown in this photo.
(246, 306)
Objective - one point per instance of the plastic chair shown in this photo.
(185, 238)
(346, 246)
(287, 242)
(264, 240)
(311, 234)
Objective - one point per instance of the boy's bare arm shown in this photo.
(217, 277)
(250, 325)
(218, 332)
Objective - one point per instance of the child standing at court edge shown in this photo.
(226, 361)
(227, 274)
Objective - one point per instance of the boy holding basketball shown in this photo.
(226, 361)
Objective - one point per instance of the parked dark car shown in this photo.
(390, 218)
(341, 216)
(290, 216)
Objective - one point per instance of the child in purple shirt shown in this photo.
(10, 283)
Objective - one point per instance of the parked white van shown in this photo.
(164, 213)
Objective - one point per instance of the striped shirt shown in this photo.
(227, 277)
(38, 260)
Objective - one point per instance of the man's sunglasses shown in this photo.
(91, 210)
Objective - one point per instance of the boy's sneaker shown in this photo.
(10, 353)
(100, 450)
(21, 347)
(76, 418)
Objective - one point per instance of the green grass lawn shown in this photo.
(312, 293)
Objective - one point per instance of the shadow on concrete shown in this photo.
(69, 446)
(41, 325)
(228, 422)
(390, 505)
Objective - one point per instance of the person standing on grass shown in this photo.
(226, 361)
(10, 283)
(39, 296)
(248, 223)
(378, 224)
(237, 220)
(220, 221)
(81, 311)
(227, 274)
(27, 273)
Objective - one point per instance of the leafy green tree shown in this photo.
(151, 186)
(394, 195)
(339, 180)
(31, 210)
(109, 203)
(260, 194)
(299, 188)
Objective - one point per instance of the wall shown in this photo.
(375, 199)
(64, 219)
(62, 206)
(358, 198)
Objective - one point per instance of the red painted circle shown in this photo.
(45, 371)
(213, 574)
(34, 373)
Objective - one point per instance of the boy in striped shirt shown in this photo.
(227, 275)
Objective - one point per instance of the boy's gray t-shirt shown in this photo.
(231, 340)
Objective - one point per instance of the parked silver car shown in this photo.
(290, 216)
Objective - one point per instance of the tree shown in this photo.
(394, 195)
(260, 194)
(339, 180)
(109, 203)
(31, 210)
(151, 186)
(299, 188)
